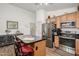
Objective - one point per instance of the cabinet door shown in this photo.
(40, 48)
(58, 19)
(63, 17)
(77, 20)
(56, 41)
(77, 46)
(7, 51)
(71, 16)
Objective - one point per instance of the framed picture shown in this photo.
(12, 25)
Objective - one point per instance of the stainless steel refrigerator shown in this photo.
(48, 30)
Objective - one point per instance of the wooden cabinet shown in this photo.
(40, 48)
(56, 42)
(71, 16)
(63, 17)
(77, 47)
(58, 19)
(77, 20)
(7, 50)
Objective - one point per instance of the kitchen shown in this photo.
(67, 30)
(27, 32)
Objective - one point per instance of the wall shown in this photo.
(13, 13)
(40, 19)
(61, 12)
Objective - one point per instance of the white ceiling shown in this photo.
(49, 7)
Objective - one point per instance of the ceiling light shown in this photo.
(43, 3)
(46, 3)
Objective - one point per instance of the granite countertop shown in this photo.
(77, 36)
(32, 41)
(29, 39)
(6, 44)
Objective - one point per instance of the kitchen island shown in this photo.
(39, 46)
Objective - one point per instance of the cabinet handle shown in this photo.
(36, 48)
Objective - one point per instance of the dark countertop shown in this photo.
(77, 36)
(6, 44)
(6, 40)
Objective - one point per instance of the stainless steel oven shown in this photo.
(67, 41)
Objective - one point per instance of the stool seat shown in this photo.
(26, 49)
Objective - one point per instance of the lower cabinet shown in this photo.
(7, 51)
(56, 42)
(40, 48)
(77, 47)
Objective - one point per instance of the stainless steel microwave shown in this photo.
(68, 24)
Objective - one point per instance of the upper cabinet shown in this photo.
(63, 17)
(77, 20)
(71, 16)
(58, 19)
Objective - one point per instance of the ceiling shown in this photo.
(49, 7)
